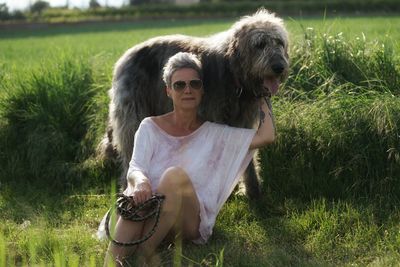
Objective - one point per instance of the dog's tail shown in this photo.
(106, 149)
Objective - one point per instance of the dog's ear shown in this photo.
(232, 48)
(237, 45)
(233, 53)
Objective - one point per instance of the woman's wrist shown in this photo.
(268, 110)
(136, 177)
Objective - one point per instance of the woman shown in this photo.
(194, 163)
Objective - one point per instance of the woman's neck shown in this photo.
(185, 120)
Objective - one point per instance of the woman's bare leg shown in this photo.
(180, 211)
(180, 214)
(125, 231)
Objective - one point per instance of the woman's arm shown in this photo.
(139, 186)
(266, 130)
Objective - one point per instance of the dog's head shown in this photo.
(258, 52)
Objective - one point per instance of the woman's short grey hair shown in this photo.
(178, 61)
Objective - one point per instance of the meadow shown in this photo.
(331, 181)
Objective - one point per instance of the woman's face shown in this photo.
(186, 89)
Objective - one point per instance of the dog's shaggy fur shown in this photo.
(238, 65)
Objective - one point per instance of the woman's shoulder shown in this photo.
(159, 120)
(221, 127)
(146, 121)
(215, 125)
(148, 124)
(157, 124)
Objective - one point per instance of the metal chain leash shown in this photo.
(151, 208)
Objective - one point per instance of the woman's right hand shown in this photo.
(141, 192)
(139, 187)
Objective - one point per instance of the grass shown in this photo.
(23, 49)
(331, 182)
(354, 138)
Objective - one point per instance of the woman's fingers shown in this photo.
(141, 193)
(140, 197)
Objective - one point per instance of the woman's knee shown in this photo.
(174, 178)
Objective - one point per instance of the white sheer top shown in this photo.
(214, 156)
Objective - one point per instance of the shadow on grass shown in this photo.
(284, 246)
(329, 232)
(19, 203)
(251, 236)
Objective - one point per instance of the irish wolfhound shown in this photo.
(239, 65)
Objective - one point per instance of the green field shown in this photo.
(331, 181)
(25, 48)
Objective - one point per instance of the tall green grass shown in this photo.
(53, 241)
(344, 144)
(325, 62)
(338, 121)
(47, 120)
(322, 233)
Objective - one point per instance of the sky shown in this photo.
(23, 4)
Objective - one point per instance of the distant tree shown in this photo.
(136, 2)
(4, 15)
(18, 15)
(140, 2)
(14, 15)
(94, 4)
(39, 6)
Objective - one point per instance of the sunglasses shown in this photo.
(181, 85)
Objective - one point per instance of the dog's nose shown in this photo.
(278, 68)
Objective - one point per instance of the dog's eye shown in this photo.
(279, 42)
(261, 44)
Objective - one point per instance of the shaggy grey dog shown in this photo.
(239, 65)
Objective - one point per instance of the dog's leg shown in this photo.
(252, 180)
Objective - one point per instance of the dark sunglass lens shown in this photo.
(196, 84)
(179, 85)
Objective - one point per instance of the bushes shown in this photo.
(338, 122)
(47, 117)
